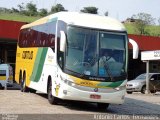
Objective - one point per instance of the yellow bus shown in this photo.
(60, 55)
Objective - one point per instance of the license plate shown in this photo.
(93, 96)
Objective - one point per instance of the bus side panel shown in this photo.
(48, 69)
(25, 60)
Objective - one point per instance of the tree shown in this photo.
(5, 10)
(21, 8)
(43, 12)
(57, 8)
(15, 10)
(142, 20)
(159, 21)
(31, 9)
(92, 10)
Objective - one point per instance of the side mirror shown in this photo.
(62, 41)
(135, 48)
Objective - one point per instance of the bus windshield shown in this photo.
(95, 53)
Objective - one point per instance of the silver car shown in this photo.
(139, 83)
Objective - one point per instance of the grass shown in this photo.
(17, 17)
(130, 28)
(152, 30)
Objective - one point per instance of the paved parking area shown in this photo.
(16, 102)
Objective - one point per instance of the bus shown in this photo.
(60, 55)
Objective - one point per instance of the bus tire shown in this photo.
(52, 100)
(23, 83)
(102, 106)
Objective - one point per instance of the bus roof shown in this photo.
(81, 19)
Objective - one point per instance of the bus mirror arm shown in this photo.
(135, 48)
(62, 41)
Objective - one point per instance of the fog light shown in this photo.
(117, 88)
(65, 92)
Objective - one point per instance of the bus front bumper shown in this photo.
(67, 92)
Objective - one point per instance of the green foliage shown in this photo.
(43, 12)
(159, 21)
(92, 10)
(14, 10)
(21, 8)
(5, 10)
(57, 8)
(31, 9)
(142, 20)
(17, 17)
(152, 30)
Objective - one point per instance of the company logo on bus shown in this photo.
(86, 83)
(27, 55)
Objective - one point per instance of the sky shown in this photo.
(119, 9)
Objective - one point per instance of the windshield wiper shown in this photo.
(108, 70)
(75, 73)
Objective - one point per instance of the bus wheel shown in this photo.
(23, 84)
(102, 106)
(52, 100)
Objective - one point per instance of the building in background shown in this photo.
(9, 31)
(145, 43)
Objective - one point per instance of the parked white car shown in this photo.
(139, 83)
(6, 75)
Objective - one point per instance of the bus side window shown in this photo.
(22, 38)
(51, 34)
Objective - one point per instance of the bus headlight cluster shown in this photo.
(68, 82)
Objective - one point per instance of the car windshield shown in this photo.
(141, 77)
(86, 47)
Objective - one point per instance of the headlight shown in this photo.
(68, 82)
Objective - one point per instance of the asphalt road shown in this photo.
(18, 105)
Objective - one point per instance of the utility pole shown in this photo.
(147, 77)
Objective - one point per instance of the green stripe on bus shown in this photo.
(111, 84)
(38, 64)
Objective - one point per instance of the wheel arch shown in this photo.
(48, 81)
